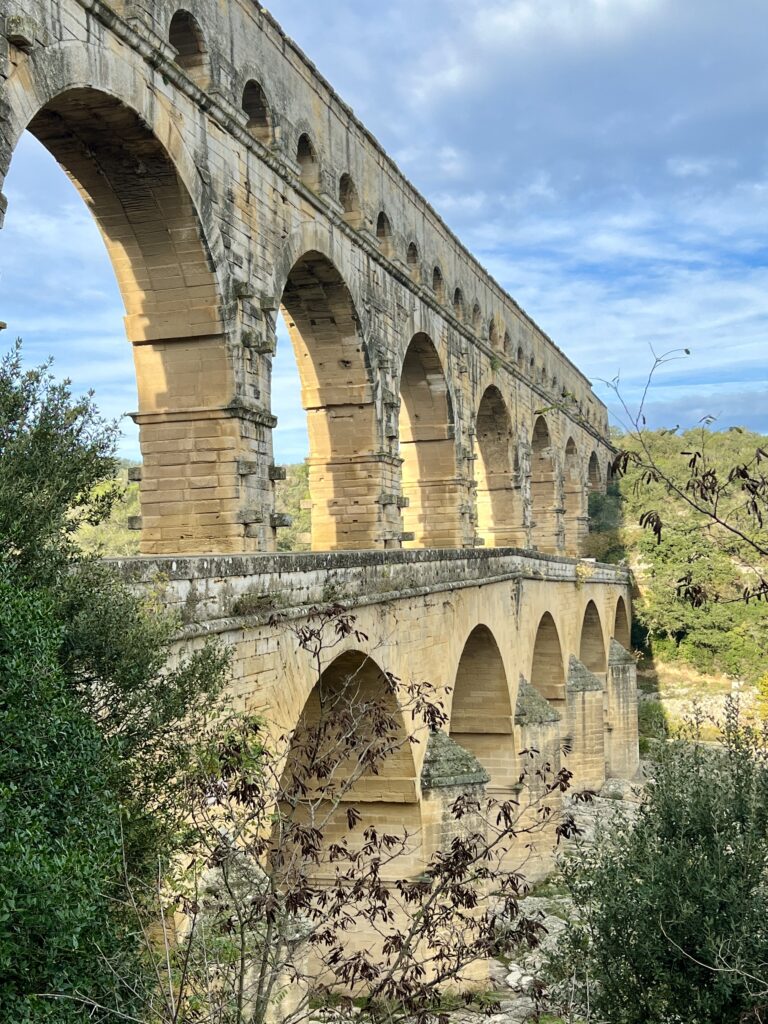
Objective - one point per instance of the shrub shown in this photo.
(672, 904)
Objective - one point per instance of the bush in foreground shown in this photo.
(671, 921)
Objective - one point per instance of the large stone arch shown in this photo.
(621, 625)
(126, 158)
(345, 466)
(573, 500)
(499, 505)
(547, 664)
(592, 647)
(544, 509)
(482, 718)
(428, 451)
(353, 696)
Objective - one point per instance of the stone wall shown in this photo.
(230, 182)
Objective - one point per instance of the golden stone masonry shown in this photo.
(453, 446)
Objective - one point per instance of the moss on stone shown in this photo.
(447, 764)
(580, 679)
(532, 708)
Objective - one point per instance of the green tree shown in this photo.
(116, 740)
(60, 817)
(671, 922)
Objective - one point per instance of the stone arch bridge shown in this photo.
(453, 446)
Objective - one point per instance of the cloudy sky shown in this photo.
(607, 161)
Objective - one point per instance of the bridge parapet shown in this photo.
(220, 589)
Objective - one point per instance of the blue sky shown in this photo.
(606, 160)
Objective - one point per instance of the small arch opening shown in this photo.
(520, 359)
(187, 39)
(306, 157)
(621, 631)
(350, 201)
(458, 304)
(493, 333)
(507, 344)
(413, 257)
(384, 233)
(259, 115)
(438, 284)
(477, 317)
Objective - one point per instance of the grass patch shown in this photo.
(548, 887)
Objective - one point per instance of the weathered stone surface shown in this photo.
(230, 181)
(531, 708)
(447, 764)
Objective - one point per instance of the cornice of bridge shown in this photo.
(218, 593)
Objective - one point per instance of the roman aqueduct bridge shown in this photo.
(453, 446)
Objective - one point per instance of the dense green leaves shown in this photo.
(672, 924)
(60, 846)
(54, 450)
(95, 717)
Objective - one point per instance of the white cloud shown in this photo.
(575, 22)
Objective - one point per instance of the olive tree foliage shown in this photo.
(93, 716)
(671, 903)
(297, 899)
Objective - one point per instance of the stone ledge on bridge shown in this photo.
(207, 589)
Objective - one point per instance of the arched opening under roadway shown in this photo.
(594, 475)
(481, 711)
(592, 644)
(499, 509)
(343, 471)
(547, 666)
(543, 489)
(164, 270)
(348, 749)
(621, 628)
(428, 451)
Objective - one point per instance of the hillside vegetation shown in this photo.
(727, 636)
